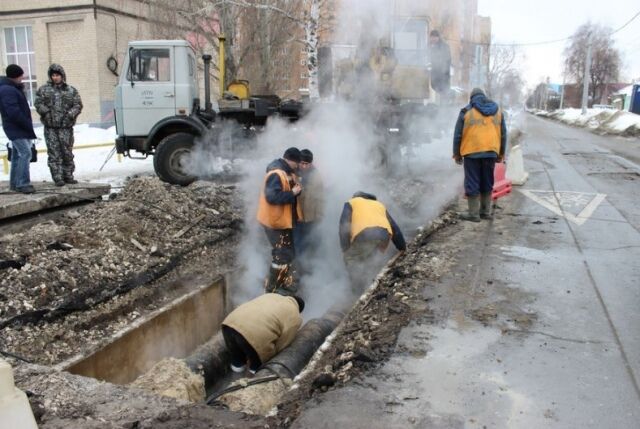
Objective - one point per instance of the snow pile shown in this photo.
(88, 161)
(601, 121)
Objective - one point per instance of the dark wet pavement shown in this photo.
(538, 325)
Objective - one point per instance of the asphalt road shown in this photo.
(538, 325)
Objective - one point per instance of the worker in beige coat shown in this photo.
(257, 330)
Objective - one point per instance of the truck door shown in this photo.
(147, 90)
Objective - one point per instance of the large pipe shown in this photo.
(290, 361)
(211, 360)
(207, 83)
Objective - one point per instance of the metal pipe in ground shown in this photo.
(261, 393)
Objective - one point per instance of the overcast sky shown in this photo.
(517, 21)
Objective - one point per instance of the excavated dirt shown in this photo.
(172, 378)
(91, 272)
(87, 275)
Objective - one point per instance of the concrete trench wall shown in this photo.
(175, 330)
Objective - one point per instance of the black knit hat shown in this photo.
(300, 302)
(14, 71)
(306, 155)
(292, 154)
(434, 33)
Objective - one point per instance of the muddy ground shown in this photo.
(72, 282)
(76, 280)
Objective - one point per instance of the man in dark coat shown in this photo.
(17, 125)
(440, 63)
(480, 138)
(58, 105)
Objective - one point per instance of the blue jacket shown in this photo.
(273, 191)
(15, 111)
(487, 108)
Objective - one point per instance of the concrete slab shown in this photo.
(47, 196)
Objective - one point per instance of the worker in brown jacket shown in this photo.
(311, 204)
(259, 329)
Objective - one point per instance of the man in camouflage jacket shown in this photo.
(58, 105)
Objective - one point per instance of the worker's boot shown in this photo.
(282, 278)
(473, 214)
(485, 206)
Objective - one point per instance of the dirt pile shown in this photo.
(95, 255)
(256, 399)
(173, 378)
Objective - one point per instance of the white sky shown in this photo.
(518, 21)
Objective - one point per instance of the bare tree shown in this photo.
(605, 58)
(504, 80)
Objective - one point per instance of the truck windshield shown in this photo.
(410, 41)
(151, 65)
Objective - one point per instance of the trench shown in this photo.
(175, 330)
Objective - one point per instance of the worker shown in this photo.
(479, 141)
(366, 226)
(440, 56)
(278, 212)
(311, 203)
(259, 329)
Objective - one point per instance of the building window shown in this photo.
(18, 48)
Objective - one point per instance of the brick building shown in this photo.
(88, 38)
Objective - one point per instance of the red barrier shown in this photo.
(501, 185)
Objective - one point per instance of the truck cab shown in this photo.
(160, 82)
(158, 112)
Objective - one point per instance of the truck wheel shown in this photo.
(170, 159)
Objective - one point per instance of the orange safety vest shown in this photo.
(481, 133)
(277, 216)
(367, 213)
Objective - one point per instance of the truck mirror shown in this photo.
(132, 65)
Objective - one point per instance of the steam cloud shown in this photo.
(345, 140)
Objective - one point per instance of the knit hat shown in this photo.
(476, 91)
(434, 33)
(300, 302)
(14, 71)
(306, 155)
(292, 154)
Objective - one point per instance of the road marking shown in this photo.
(563, 203)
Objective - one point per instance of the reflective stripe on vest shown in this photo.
(276, 216)
(481, 133)
(367, 214)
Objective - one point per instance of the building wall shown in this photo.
(80, 39)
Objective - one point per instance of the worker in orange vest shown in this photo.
(366, 227)
(480, 139)
(278, 213)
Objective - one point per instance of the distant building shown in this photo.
(88, 38)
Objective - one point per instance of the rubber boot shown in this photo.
(485, 206)
(271, 282)
(474, 209)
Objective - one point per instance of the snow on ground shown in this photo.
(88, 161)
(605, 121)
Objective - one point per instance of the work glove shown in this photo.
(457, 159)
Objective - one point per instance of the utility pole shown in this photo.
(564, 82)
(587, 76)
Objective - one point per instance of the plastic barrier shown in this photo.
(515, 166)
(15, 411)
(501, 185)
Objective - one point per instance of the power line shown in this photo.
(546, 42)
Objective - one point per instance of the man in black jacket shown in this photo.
(18, 126)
